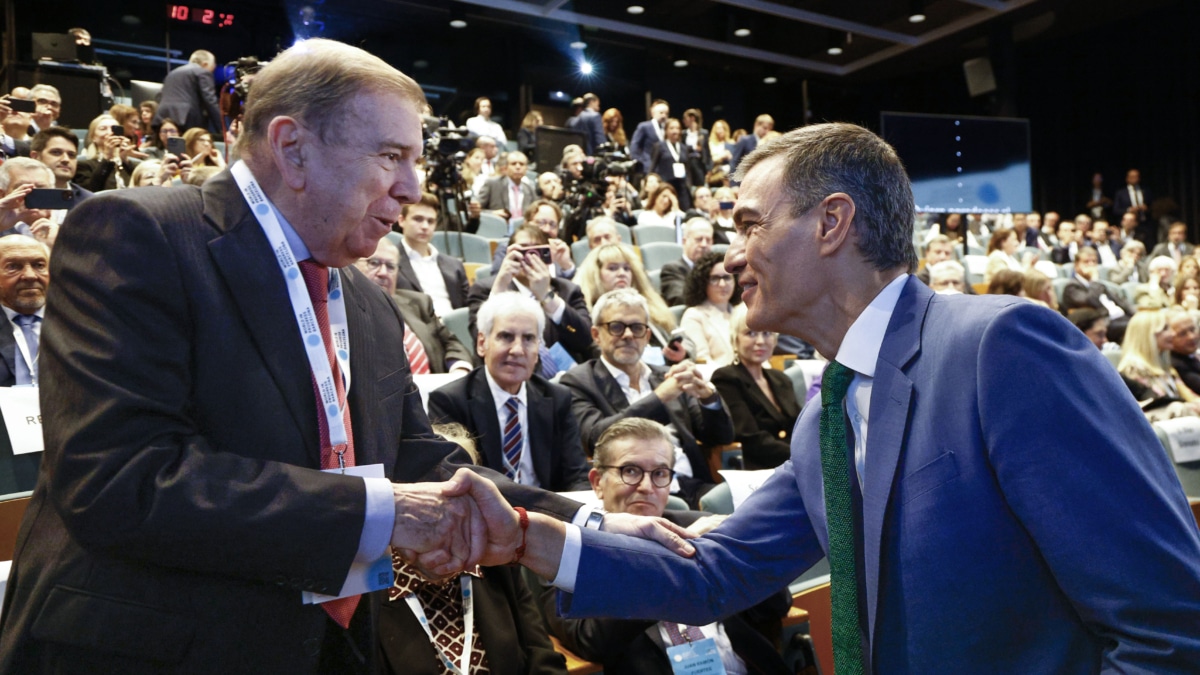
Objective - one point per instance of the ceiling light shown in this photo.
(770, 79)
(834, 51)
(635, 9)
(742, 32)
(681, 63)
(916, 11)
(458, 23)
(578, 45)
(585, 68)
(916, 18)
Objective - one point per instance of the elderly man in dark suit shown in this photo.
(192, 396)
(697, 242)
(510, 194)
(24, 275)
(422, 267)
(189, 95)
(1183, 348)
(648, 133)
(618, 385)
(431, 348)
(523, 422)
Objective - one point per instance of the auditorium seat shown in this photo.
(474, 248)
(458, 321)
(657, 254)
(648, 234)
(718, 500)
(492, 226)
(1188, 472)
(579, 251)
(655, 279)
(624, 232)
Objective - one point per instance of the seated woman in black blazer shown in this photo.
(761, 401)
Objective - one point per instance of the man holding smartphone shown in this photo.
(58, 149)
(15, 115)
(18, 177)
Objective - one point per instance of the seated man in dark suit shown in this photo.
(523, 423)
(1132, 264)
(433, 348)
(546, 215)
(562, 302)
(697, 242)
(24, 275)
(632, 474)
(1085, 290)
(508, 195)
(422, 267)
(1183, 348)
(1066, 248)
(1176, 247)
(619, 385)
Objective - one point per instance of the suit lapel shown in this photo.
(484, 419)
(407, 271)
(609, 388)
(8, 346)
(891, 401)
(247, 264)
(540, 433)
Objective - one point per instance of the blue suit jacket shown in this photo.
(745, 145)
(642, 143)
(1006, 528)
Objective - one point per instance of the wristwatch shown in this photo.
(594, 520)
(549, 296)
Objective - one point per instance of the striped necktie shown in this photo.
(418, 360)
(513, 438)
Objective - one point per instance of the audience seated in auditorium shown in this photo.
(550, 187)
(199, 175)
(648, 133)
(562, 302)
(1131, 265)
(1183, 348)
(108, 160)
(1094, 324)
(1002, 253)
(620, 385)
(24, 276)
(491, 156)
(948, 277)
(1187, 293)
(430, 346)
(697, 242)
(482, 125)
(57, 148)
(669, 158)
(18, 176)
(662, 207)
(617, 265)
(154, 146)
(523, 422)
(761, 401)
(1084, 290)
(1007, 282)
(1100, 238)
(146, 174)
(632, 474)
(546, 216)
(937, 249)
(619, 203)
(1039, 289)
(508, 635)
(1146, 368)
(14, 130)
(49, 107)
(201, 150)
(710, 295)
(1157, 292)
(422, 267)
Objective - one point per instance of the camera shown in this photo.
(235, 91)
(445, 150)
(585, 194)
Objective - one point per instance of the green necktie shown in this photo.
(847, 645)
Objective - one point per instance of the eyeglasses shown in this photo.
(617, 328)
(546, 222)
(374, 263)
(718, 279)
(632, 474)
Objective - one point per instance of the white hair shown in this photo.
(1162, 262)
(947, 269)
(21, 163)
(621, 297)
(508, 303)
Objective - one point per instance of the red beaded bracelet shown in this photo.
(524, 529)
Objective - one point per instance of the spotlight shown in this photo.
(681, 63)
(770, 79)
(742, 32)
(578, 45)
(916, 11)
(458, 23)
(635, 9)
(585, 68)
(834, 50)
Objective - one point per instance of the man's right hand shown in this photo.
(444, 532)
(671, 387)
(15, 199)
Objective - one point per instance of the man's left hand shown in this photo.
(560, 254)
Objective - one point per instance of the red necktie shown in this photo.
(316, 278)
(418, 360)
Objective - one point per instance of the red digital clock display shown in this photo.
(201, 15)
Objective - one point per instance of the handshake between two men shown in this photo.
(446, 528)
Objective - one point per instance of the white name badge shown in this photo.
(679, 169)
(696, 658)
(1183, 435)
(363, 577)
(23, 417)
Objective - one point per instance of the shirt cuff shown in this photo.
(380, 519)
(457, 364)
(557, 316)
(568, 566)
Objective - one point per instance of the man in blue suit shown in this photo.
(763, 125)
(589, 122)
(649, 132)
(991, 521)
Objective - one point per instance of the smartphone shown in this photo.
(176, 146)
(49, 198)
(21, 105)
(725, 206)
(542, 252)
(676, 338)
(118, 130)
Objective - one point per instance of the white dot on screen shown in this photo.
(956, 122)
(958, 138)
(960, 169)
(958, 154)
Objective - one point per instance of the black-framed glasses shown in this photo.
(374, 264)
(632, 474)
(617, 328)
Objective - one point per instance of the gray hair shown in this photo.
(1134, 246)
(694, 224)
(638, 428)
(601, 221)
(202, 57)
(509, 303)
(21, 163)
(43, 88)
(822, 159)
(316, 81)
(1160, 262)
(621, 297)
(947, 269)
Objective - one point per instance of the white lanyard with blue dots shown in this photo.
(306, 319)
(468, 626)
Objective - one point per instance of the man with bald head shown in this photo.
(211, 466)
(24, 275)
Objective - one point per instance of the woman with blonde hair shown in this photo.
(107, 161)
(614, 129)
(1146, 367)
(527, 134)
(719, 145)
(617, 265)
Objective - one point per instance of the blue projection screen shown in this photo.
(961, 164)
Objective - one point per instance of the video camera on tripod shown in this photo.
(585, 194)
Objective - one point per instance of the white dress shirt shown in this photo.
(525, 473)
(683, 465)
(429, 275)
(486, 127)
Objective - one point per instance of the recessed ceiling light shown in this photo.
(833, 51)
(635, 9)
(769, 80)
(916, 18)
(458, 23)
(578, 45)
(681, 63)
(742, 32)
